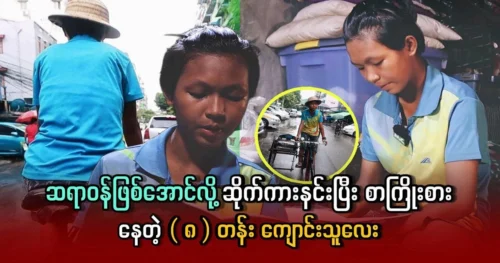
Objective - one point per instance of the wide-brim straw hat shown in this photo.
(311, 99)
(91, 10)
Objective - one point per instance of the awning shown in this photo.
(339, 115)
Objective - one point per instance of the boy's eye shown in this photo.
(378, 63)
(198, 95)
(235, 97)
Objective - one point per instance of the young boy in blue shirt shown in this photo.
(208, 76)
(85, 92)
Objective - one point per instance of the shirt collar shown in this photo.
(152, 159)
(83, 37)
(431, 95)
(312, 114)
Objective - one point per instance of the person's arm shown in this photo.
(467, 137)
(131, 93)
(274, 210)
(36, 89)
(301, 125)
(322, 129)
(299, 131)
(371, 172)
(131, 128)
(84, 213)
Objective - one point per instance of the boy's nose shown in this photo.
(217, 109)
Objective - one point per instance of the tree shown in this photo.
(161, 102)
(233, 11)
(145, 115)
(291, 100)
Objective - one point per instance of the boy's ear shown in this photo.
(169, 99)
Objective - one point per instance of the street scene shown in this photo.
(337, 131)
(329, 158)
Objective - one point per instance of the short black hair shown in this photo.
(207, 40)
(389, 21)
(74, 27)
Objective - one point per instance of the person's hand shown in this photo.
(297, 138)
(412, 223)
(324, 141)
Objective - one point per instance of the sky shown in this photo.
(305, 94)
(142, 25)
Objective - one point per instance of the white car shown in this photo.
(270, 120)
(349, 130)
(280, 112)
(262, 127)
(158, 124)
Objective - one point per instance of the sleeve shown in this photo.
(274, 210)
(321, 117)
(94, 180)
(36, 83)
(303, 115)
(367, 150)
(467, 132)
(131, 86)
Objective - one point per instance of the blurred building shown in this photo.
(20, 43)
(25, 32)
(37, 11)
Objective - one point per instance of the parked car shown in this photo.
(283, 115)
(293, 113)
(262, 127)
(158, 124)
(270, 120)
(349, 130)
(12, 140)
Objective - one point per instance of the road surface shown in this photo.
(329, 159)
(17, 230)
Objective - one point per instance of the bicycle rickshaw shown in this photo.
(286, 144)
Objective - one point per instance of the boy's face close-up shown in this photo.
(210, 98)
(386, 68)
(312, 105)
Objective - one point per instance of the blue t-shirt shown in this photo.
(81, 88)
(311, 122)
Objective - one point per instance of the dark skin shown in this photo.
(131, 128)
(210, 100)
(403, 73)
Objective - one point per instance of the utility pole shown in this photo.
(6, 105)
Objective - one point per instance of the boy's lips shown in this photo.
(212, 132)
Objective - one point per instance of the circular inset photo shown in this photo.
(308, 131)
